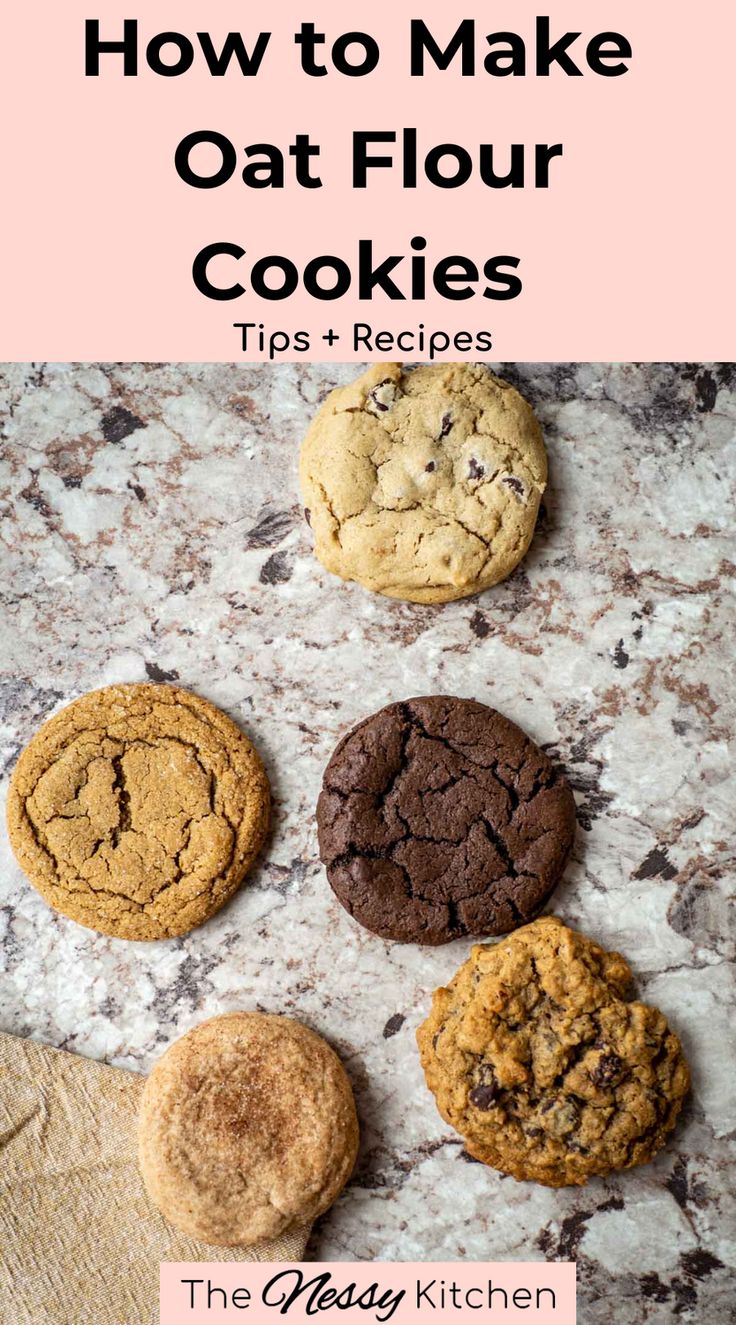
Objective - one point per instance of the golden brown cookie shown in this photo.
(536, 1054)
(425, 484)
(138, 810)
(247, 1127)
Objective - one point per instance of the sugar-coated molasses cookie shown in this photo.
(247, 1127)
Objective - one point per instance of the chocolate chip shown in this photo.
(483, 1096)
(485, 1092)
(515, 484)
(383, 396)
(446, 424)
(606, 1070)
(430, 468)
(474, 469)
(308, 516)
(533, 1131)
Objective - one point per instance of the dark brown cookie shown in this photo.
(438, 817)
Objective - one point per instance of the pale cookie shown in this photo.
(247, 1127)
(536, 1054)
(138, 810)
(423, 485)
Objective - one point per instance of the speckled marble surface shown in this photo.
(151, 527)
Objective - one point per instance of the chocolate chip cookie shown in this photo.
(537, 1055)
(247, 1127)
(423, 485)
(138, 810)
(438, 818)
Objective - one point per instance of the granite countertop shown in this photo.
(151, 528)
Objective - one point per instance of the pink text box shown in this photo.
(627, 255)
(376, 1293)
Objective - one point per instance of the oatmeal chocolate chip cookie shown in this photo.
(438, 817)
(538, 1058)
(423, 485)
(138, 810)
(247, 1127)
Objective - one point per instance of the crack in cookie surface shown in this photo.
(537, 1055)
(438, 817)
(138, 810)
(423, 485)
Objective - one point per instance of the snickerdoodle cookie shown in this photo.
(423, 485)
(536, 1053)
(138, 810)
(247, 1127)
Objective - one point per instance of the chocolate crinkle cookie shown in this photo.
(537, 1055)
(439, 818)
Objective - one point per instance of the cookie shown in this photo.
(138, 810)
(247, 1127)
(423, 485)
(438, 818)
(537, 1056)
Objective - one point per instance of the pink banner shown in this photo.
(404, 1293)
(416, 181)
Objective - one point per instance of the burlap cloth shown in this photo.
(79, 1240)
